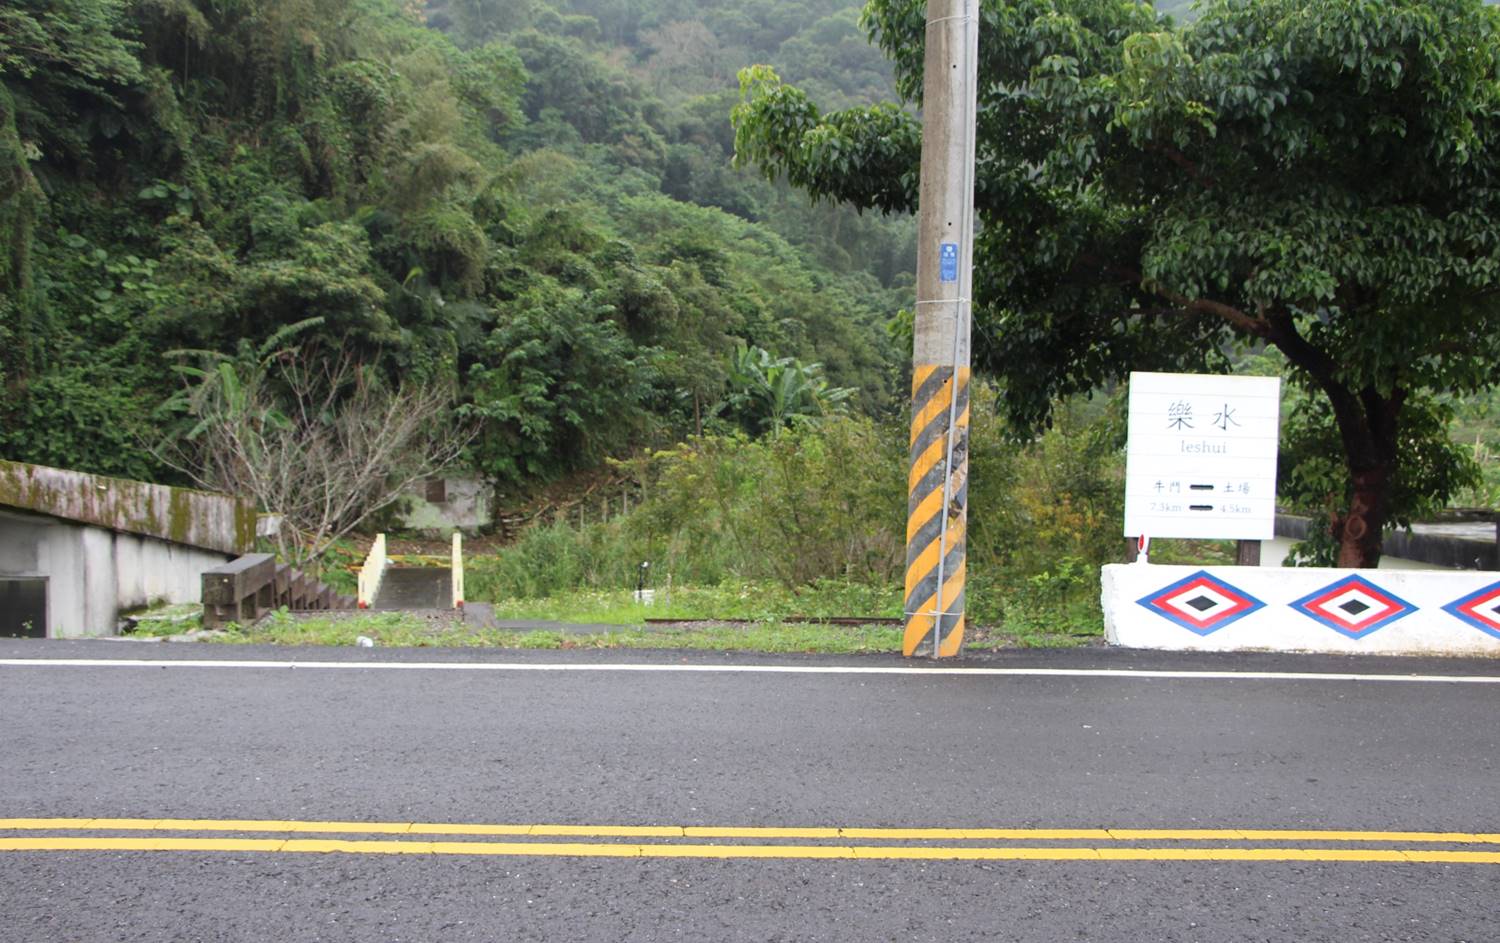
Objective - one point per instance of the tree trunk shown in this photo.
(1360, 531)
(1370, 448)
(1367, 422)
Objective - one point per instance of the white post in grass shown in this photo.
(458, 570)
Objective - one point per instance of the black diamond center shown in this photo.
(1354, 607)
(1202, 603)
(1495, 608)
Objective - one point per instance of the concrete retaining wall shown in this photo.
(1392, 612)
(180, 515)
(93, 574)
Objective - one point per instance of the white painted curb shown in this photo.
(1222, 609)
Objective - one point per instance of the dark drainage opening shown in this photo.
(23, 607)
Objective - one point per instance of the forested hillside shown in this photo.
(530, 205)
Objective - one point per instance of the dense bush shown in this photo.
(826, 501)
(820, 499)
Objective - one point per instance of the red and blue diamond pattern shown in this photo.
(1480, 609)
(1353, 606)
(1201, 603)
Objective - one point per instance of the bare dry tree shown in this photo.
(322, 442)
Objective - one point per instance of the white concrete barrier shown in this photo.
(1388, 612)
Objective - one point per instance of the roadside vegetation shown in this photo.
(314, 251)
(811, 520)
(403, 630)
(1312, 177)
(238, 240)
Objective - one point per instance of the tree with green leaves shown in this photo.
(482, 196)
(560, 386)
(1319, 176)
(765, 393)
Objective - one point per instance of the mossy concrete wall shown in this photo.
(467, 505)
(218, 522)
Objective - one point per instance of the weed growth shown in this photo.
(811, 520)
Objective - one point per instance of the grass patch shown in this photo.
(1065, 622)
(1193, 552)
(344, 628)
(1029, 630)
(164, 620)
(402, 630)
(1055, 610)
(760, 602)
(757, 637)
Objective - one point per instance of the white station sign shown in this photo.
(1201, 460)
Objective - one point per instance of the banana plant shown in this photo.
(765, 392)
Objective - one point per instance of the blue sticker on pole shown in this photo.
(948, 262)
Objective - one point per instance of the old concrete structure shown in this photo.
(443, 504)
(78, 549)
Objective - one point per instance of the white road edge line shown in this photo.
(1126, 673)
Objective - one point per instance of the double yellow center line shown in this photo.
(697, 841)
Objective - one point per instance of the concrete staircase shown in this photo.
(383, 585)
(425, 587)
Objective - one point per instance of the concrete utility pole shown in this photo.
(938, 486)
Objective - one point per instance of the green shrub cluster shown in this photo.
(826, 501)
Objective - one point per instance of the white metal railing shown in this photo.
(371, 572)
(458, 570)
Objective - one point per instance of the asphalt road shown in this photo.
(479, 743)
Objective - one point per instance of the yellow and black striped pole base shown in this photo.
(937, 510)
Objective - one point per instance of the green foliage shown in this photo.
(552, 559)
(1049, 499)
(495, 206)
(691, 602)
(1059, 600)
(783, 507)
(339, 565)
(83, 416)
(84, 41)
(767, 393)
(1309, 174)
(814, 516)
(868, 150)
(559, 386)
(1474, 427)
(1045, 514)
(1311, 480)
(65, 65)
